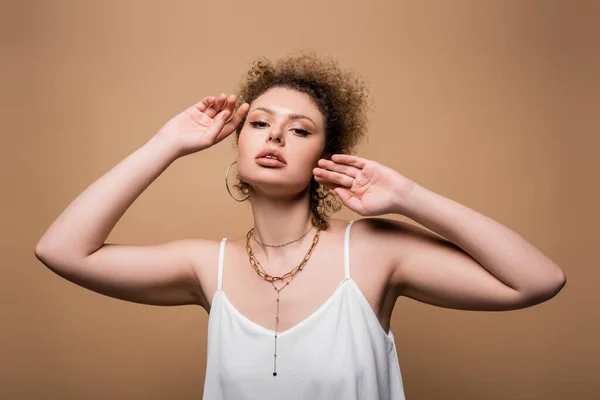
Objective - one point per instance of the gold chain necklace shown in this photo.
(286, 279)
(279, 245)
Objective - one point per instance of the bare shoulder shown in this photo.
(392, 242)
(382, 233)
(386, 228)
(375, 242)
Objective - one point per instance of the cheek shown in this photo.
(244, 146)
(314, 151)
(306, 159)
(245, 151)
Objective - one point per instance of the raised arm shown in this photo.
(164, 274)
(475, 264)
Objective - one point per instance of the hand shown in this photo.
(203, 124)
(363, 186)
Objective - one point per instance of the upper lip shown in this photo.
(273, 153)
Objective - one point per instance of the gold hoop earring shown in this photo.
(227, 184)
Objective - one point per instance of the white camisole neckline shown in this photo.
(340, 351)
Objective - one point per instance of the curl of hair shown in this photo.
(341, 96)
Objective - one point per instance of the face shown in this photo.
(281, 141)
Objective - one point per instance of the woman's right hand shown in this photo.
(203, 124)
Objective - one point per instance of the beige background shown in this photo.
(491, 103)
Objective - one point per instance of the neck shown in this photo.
(280, 220)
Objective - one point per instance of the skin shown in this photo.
(472, 263)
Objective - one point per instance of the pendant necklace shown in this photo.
(285, 280)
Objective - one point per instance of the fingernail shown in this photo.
(225, 114)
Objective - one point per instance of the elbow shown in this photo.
(42, 252)
(561, 282)
(57, 256)
(44, 246)
(548, 290)
(47, 252)
(39, 250)
(555, 289)
(51, 257)
(558, 283)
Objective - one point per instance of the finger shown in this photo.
(347, 198)
(196, 112)
(203, 104)
(327, 184)
(229, 103)
(342, 192)
(341, 168)
(217, 126)
(354, 161)
(220, 102)
(236, 119)
(333, 177)
(216, 106)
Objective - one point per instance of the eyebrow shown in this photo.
(292, 116)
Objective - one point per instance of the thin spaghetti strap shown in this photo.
(347, 250)
(220, 271)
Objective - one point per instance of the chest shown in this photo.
(311, 289)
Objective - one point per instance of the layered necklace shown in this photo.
(279, 282)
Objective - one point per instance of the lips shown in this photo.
(271, 155)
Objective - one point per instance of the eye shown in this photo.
(301, 132)
(258, 124)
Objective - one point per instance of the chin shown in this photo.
(274, 182)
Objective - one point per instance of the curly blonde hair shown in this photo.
(341, 96)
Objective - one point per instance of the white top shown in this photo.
(338, 352)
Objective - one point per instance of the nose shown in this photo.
(276, 136)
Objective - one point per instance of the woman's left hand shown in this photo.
(364, 186)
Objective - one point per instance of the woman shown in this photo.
(327, 335)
